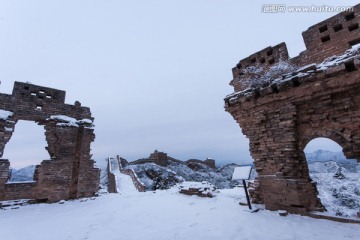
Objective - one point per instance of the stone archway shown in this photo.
(281, 104)
(336, 179)
(70, 172)
(337, 135)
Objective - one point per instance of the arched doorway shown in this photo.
(25, 150)
(336, 177)
(68, 172)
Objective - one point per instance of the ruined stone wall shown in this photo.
(322, 40)
(69, 173)
(281, 109)
(331, 37)
(111, 178)
(256, 64)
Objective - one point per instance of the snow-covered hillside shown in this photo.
(164, 215)
(157, 177)
(324, 156)
(337, 181)
(339, 189)
(22, 174)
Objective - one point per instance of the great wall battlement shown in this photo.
(282, 103)
(322, 40)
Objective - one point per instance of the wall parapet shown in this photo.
(347, 62)
(330, 37)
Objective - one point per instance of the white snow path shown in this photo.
(124, 183)
(163, 215)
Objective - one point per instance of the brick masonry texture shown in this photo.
(281, 104)
(70, 172)
(111, 178)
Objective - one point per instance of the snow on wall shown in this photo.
(5, 114)
(69, 121)
(288, 72)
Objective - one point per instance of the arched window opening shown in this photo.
(25, 149)
(337, 178)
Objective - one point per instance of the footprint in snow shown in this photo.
(193, 225)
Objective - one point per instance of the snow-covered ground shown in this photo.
(163, 215)
(339, 188)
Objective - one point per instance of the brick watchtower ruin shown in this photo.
(281, 104)
(70, 172)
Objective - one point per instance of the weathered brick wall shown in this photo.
(325, 39)
(111, 178)
(331, 37)
(257, 64)
(283, 111)
(24, 190)
(69, 173)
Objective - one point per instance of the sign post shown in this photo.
(243, 173)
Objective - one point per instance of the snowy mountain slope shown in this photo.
(324, 167)
(339, 189)
(22, 174)
(157, 177)
(337, 181)
(324, 156)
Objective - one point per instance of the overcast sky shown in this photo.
(153, 72)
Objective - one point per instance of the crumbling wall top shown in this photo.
(37, 103)
(258, 63)
(330, 37)
(29, 92)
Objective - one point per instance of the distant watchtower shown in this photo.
(160, 158)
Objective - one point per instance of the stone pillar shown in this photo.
(55, 175)
(4, 176)
(88, 176)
